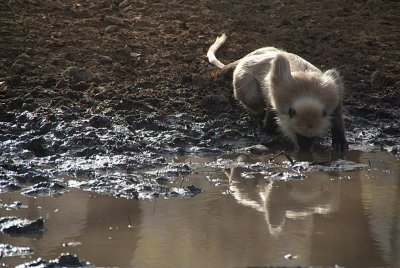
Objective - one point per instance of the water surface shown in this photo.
(250, 213)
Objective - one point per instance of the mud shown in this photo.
(108, 96)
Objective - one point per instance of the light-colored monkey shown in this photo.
(288, 91)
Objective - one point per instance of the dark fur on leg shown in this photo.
(339, 142)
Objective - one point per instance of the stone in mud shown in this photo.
(11, 251)
(162, 180)
(124, 3)
(17, 226)
(111, 29)
(107, 3)
(395, 150)
(77, 74)
(38, 147)
(88, 152)
(105, 60)
(257, 149)
(113, 20)
(114, 7)
(192, 190)
(45, 189)
(59, 62)
(11, 187)
(99, 121)
(65, 260)
(31, 177)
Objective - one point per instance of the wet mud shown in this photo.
(117, 98)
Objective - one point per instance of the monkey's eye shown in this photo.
(292, 112)
(324, 113)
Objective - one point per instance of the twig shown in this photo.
(272, 158)
(289, 158)
(154, 208)
(183, 178)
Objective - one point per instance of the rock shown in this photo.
(61, 83)
(114, 7)
(38, 147)
(59, 62)
(24, 56)
(112, 29)
(88, 152)
(124, 4)
(76, 74)
(45, 189)
(134, 55)
(8, 250)
(107, 3)
(113, 20)
(17, 226)
(105, 60)
(65, 260)
(257, 149)
(127, 49)
(188, 57)
(162, 180)
(99, 121)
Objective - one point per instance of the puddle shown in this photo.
(250, 212)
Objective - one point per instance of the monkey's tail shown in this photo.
(213, 49)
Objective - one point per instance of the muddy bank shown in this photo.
(101, 95)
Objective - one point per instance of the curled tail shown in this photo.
(213, 59)
(211, 51)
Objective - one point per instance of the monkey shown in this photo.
(290, 93)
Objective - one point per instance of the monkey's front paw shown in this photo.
(339, 144)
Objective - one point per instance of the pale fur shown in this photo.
(213, 49)
(272, 79)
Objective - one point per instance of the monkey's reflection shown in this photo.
(282, 200)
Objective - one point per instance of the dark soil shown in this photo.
(63, 56)
(93, 86)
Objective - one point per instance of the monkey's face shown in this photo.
(307, 119)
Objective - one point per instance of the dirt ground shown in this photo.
(121, 84)
(150, 55)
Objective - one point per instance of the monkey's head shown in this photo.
(305, 121)
(303, 101)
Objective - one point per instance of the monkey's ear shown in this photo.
(334, 75)
(280, 70)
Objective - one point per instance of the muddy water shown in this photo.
(251, 212)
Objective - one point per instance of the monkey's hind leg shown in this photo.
(247, 91)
